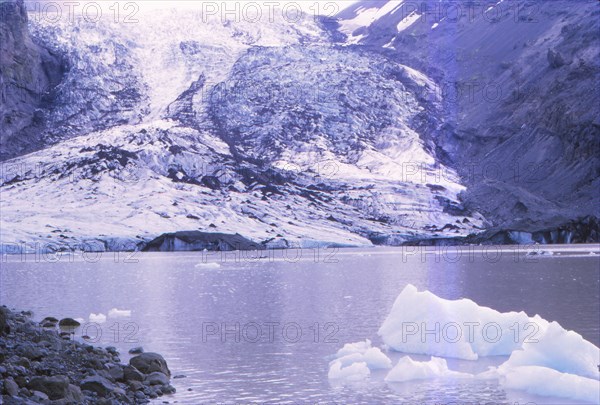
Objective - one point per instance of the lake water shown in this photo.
(204, 312)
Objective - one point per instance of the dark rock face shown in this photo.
(584, 230)
(28, 74)
(196, 241)
(182, 109)
(521, 100)
(555, 59)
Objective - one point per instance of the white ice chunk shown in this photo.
(408, 21)
(558, 349)
(97, 318)
(408, 370)
(423, 323)
(119, 313)
(362, 352)
(353, 372)
(211, 265)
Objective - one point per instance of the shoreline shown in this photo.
(41, 363)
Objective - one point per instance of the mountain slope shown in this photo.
(230, 142)
(521, 99)
(274, 133)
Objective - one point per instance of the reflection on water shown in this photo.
(262, 330)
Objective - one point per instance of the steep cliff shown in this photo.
(520, 83)
(28, 74)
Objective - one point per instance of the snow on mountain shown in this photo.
(121, 187)
(129, 73)
(356, 20)
(266, 130)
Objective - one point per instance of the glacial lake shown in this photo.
(248, 330)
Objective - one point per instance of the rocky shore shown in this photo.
(41, 364)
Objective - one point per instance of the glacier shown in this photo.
(259, 131)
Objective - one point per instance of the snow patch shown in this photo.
(408, 21)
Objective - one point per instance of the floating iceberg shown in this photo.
(408, 370)
(209, 265)
(423, 323)
(544, 358)
(362, 352)
(119, 313)
(351, 361)
(97, 318)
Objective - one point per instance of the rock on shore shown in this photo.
(38, 366)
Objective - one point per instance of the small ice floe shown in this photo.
(362, 352)
(211, 265)
(97, 318)
(354, 361)
(119, 313)
(353, 372)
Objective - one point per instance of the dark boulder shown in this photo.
(68, 323)
(10, 387)
(148, 363)
(56, 387)
(4, 328)
(156, 378)
(131, 373)
(97, 384)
